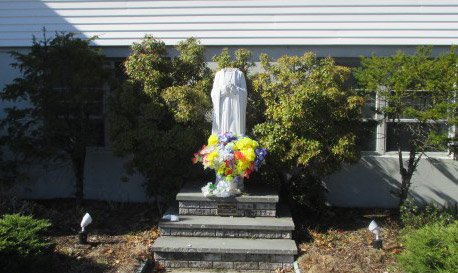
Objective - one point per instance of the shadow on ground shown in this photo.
(53, 263)
(109, 218)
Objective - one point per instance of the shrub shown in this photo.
(158, 116)
(309, 123)
(22, 242)
(60, 88)
(413, 217)
(432, 248)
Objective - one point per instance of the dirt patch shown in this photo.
(340, 242)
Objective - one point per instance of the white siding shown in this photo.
(237, 22)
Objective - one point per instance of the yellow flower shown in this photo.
(242, 166)
(246, 143)
(211, 158)
(213, 140)
(221, 169)
(241, 143)
(249, 154)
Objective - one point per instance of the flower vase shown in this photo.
(225, 188)
(239, 181)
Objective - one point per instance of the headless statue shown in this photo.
(229, 97)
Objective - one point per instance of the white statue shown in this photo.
(229, 97)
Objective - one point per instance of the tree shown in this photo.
(300, 110)
(61, 80)
(159, 114)
(416, 87)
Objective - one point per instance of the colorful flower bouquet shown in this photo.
(233, 158)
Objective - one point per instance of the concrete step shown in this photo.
(229, 227)
(224, 253)
(253, 202)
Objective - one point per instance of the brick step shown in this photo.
(229, 227)
(224, 253)
(254, 202)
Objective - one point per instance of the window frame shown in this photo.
(381, 145)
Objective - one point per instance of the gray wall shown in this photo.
(366, 184)
(370, 182)
(103, 173)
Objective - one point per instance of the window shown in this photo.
(94, 111)
(408, 129)
(367, 133)
(379, 132)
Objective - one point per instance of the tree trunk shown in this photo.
(78, 162)
(407, 173)
(404, 189)
(156, 194)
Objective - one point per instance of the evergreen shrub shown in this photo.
(432, 248)
(22, 242)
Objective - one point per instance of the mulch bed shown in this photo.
(122, 233)
(340, 241)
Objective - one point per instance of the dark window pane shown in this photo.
(411, 133)
(367, 136)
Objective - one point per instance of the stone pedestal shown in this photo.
(247, 232)
(259, 202)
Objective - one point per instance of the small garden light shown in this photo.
(374, 228)
(87, 219)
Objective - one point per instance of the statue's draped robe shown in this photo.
(229, 97)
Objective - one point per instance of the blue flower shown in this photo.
(261, 154)
(227, 137)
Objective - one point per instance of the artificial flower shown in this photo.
(232, 157)
(213, 139)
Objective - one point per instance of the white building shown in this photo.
(344, 30)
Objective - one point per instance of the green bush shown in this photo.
(432, 248)
(22, 242)
(413, 217)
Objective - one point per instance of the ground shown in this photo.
(339, 241)
(119, 236)
(122, 233)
